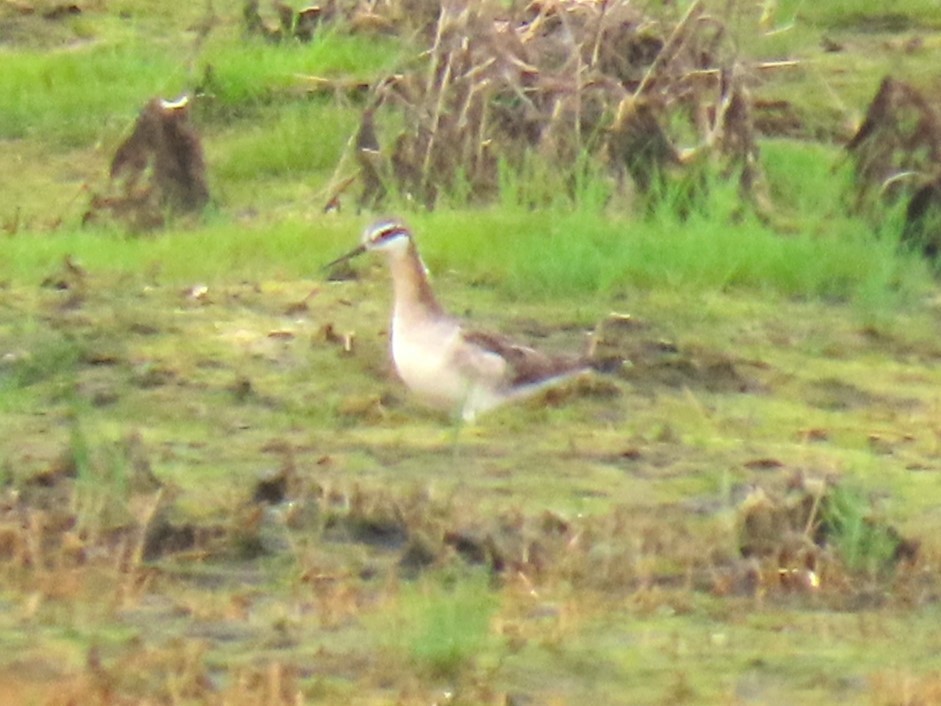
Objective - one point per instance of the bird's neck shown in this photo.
(413, 295)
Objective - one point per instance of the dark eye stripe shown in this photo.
(387, 231)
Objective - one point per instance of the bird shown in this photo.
(444, 363)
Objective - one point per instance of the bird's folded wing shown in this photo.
(521, 365)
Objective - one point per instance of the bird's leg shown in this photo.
(457, 423)
(461, 415)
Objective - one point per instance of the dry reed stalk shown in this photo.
(671, 48)
(497, 84)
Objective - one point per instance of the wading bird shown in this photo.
(445, 364)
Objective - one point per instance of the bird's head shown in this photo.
(389, 235)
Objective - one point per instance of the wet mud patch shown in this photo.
(833, 394)
(812, 536)
(634, 352)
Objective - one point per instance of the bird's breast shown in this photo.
(423, 354)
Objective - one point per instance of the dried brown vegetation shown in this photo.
(158, 170)
(572, 86)
(895, 154)
(299, 24)
(808, 535)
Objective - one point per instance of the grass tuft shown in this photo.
(445, 628)
(101, 482)
(540, 254)
(864, 545)
(47, 356)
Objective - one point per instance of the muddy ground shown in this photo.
(222, 495)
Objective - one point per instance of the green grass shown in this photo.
(211, 253)
(298, 139)
(805, 178)
(444, 628)
(101, 481)
(252, 70)
(582, 247)
(540, 254)
(93, 91)
(845, 14)
(84, 94)
(550, 254)
(864, 545)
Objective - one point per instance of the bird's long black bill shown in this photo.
(358, 250)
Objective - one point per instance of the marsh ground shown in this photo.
(215, 491)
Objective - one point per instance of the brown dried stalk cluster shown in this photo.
(896, 153)
(789, 535)
(158, 169)
(300, 25)
(557, 81)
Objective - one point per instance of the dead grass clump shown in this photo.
(923, 218)
(895, 154)
(782, 532)
(900, 135)
(159, 169)
(818, 536)
(904, 688)
(89, 524)
(562, 85)
(174, 673)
